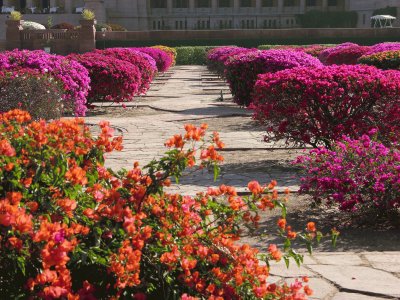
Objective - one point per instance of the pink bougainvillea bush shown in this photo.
(387, 60)
(317, 106)
(72, 229)
(73, 75)
(241, 70)
(383, 47)
(146, 65)
(323, 56)
(112, 79)
(356, 174)
(217, 57)
(163, 60)
(346, 55)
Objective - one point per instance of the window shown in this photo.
(203, 3)
(289, 3)
(245, 3)
(224, 3)
(267, 3)
(364, 19)
(181, 3)
(332, 2)
(158, 4)
(311, 3)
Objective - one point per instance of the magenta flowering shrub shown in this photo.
(346, 55)
(163, 59)
(217, 57)
(316, 106)
(323, 56)
(383, 47)
(242, 69)
(356, 174)
(73, 75)
(138, 59)
(112, 79)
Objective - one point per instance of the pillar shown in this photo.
(68, 6)
(324, 5)
(302, 6)
(236, 5)
(191, 5)
(13, 34)
(87, 36)
(258, 5)
(280, 6)
(169, 6)
(214, 5)
(29, 4)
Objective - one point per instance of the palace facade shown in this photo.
(194, 14)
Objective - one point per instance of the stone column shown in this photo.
(13, 34)
(169, 6)
(29, 4)
(99, 9)
(302, 6)
(53, 3)
(236, 5)
(87, 36)
(280, 6)
(68, 6)
(191, 5)
(258, 5)
(324, 5)
(214, 5)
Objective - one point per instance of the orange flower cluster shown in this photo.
(81, 231)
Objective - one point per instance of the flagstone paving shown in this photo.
(190, 94)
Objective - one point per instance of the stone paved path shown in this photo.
(190, 95)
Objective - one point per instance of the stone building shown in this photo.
(193, 14)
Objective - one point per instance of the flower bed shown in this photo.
(28, 89)
(323, 56)
(162, 58)
(217, 57)
(383, 60)
(317, 106)
(383, 47)
(170, 51)
(145, 64)
(73, 229)
(242, 69)
(357, 174)
(111, 79)
(345, 55)
(74, 76)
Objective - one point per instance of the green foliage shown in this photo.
(15, 16)
(328, 19)
(192, 55)
(87, 14)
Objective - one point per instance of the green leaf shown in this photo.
(287, 262)
(21, 264)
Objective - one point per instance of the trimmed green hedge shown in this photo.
(192, 55)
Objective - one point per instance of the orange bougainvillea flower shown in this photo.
(76, 175)
(255, 187)
(311, 227)
(282, 223)
(6, 148)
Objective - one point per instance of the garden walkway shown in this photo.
(190, 94)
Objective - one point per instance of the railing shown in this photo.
(49, 34)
